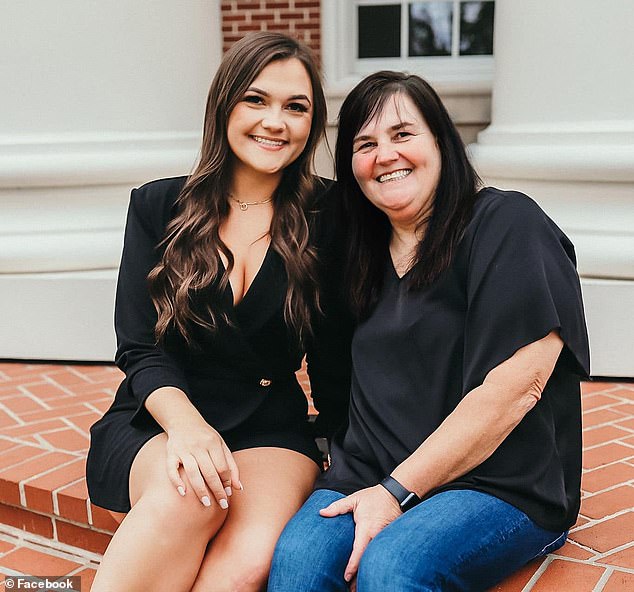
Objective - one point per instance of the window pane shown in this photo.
(476, 28)
(430, 28)
(380, 31)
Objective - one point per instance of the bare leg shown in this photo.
(161, 542)
(276, 483)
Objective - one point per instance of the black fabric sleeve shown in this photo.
(328, 364)
(146, 365)
(521, 284)
(328, 354)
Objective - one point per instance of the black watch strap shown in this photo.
(406, 499)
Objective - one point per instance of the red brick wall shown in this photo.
(298, 18)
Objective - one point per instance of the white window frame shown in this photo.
(342, 69)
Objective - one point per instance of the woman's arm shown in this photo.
(329, 369)
(467, 437)
(154, 379)
(147, 366)
(483, 419)
(328, 354)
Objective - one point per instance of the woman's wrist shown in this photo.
(405, 498)
(173, 410)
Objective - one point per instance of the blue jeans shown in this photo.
(455, 540)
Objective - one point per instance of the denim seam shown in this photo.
(543, 551)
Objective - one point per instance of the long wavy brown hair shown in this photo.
(190, 270)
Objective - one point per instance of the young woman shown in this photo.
(206, 446)
(462, 456)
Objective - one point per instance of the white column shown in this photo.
(97, 97)
(563, 131)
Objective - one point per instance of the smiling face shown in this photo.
(269, 127)
(396, 161)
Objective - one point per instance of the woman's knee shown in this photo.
(242, 574)
(377, 566)
(312, 552)
(289, 547)
(308, 535)
(250, 576)
(184, 514)
(300, 564)
(152, 493)
(236, 560)
(385, 566)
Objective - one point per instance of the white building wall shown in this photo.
(97, 97)
(563, 131)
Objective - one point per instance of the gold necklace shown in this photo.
(244, 205)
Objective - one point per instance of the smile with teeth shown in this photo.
(268, 141)
(394, 175)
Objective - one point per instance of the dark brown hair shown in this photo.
(191, 264)
(369, 229)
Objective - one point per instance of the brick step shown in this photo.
(46, 517)
(46, 411)
(73, 521)
(28, 554)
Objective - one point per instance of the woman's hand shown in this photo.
(373, 509)
(206, 460)
(193, 444)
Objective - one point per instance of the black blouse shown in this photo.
(512, 281)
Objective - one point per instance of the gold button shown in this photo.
(265, 382)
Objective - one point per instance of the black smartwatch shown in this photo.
(406, 499)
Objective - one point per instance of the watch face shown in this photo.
(410, 501)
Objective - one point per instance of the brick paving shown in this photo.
(25, 554)
(49, 527)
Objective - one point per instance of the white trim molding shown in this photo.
(582, 174)
(589, 151)
(94, 159)
(64, 198)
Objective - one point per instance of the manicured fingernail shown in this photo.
(206, 501)
(224, 504)
(228, 491)
(347, 577)
(241, 486)
(181, 490)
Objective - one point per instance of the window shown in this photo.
(446, 41)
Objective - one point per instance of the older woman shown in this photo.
(462, 456)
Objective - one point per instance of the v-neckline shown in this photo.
(253, 281)
(393, 271)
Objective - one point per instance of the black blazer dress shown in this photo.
(241, 378)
